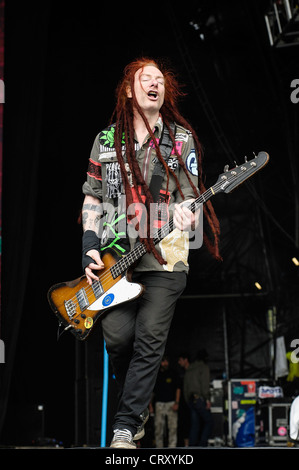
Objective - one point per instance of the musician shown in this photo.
(133, 187)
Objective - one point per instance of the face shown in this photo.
(182, 362)
(164, 364)
(149, 89)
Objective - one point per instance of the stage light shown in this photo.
(295, 261)
(258, 286)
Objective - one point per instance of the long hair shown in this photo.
(123, 116)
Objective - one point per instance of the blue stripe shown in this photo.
(104, 397)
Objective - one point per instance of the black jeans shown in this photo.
(201, 423)
(135, 335)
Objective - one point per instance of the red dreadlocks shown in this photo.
(123, 116)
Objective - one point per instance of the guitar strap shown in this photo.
(166, 147)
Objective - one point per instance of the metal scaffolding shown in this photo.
(282, 23)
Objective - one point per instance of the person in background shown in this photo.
(184, 411)
(166, 399)
(197, 395)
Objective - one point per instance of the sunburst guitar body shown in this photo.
(78, 305)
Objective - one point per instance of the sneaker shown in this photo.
(140, 430)
(123, 439)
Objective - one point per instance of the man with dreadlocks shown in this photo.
(125, 160)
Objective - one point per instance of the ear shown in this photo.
(129, 91)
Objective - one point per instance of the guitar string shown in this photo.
(89, 289)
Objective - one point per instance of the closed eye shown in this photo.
(145, 78)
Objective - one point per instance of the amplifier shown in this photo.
(278, 424)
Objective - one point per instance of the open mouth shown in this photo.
(152, 94)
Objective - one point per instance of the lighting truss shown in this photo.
(282, 22)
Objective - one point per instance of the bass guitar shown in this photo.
(78, 305)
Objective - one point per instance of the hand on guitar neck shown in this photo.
(184, 218)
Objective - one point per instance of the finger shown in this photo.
(177, 216)
(177, 221)
(90, 276)
(97, 259)
(185, 219)
(187, 214)
(180, 225)
(96, 266)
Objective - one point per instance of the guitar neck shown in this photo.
(193, 207)
(128, 260)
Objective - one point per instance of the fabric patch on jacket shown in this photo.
(191, 163)
(107, 137)
(113, 178)
(94, 170)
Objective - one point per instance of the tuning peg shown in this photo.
(226, 168)
(236, 164)
(245, 159)
(255, 156)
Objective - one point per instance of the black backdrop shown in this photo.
(62, 63)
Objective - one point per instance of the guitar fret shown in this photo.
(127, 260)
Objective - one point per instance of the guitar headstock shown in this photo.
(232, 178)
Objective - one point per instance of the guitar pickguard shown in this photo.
(122, 291)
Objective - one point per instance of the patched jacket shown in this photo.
(104, 182)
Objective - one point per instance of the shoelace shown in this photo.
(124, 434)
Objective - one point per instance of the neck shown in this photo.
(140, 127)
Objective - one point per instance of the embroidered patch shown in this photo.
(181, 136)
(191, 163)
(106, 137)
(94, 170)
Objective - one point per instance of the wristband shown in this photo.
(90, 241)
